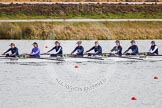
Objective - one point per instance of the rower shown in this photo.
(79, 49)
(14, 51)
(58, 50)
(35, 53)
(117, 50)
(133, 48)
(97, 49)
(153, 49)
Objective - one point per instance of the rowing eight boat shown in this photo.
(80, 59)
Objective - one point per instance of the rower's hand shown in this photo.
(124, 53)
(46, 53)
(113, 52)
(3, 54)
(73, 55)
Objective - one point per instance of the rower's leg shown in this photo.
(89, 54)
(31, 56)
(128, 54)
(53, 55)
(7, 55)
(12, 56)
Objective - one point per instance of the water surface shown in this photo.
(92, 85)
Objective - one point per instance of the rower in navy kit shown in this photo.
(79, 49)
(35, 53)
(153, 49)
(58, 50)
(14, 51)
(97, 49)
(117, 50)
(133, 48)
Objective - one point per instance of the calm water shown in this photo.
(92, 85)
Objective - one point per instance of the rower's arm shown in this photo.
(99, 50)
(52, 49)
(59, 50)
(113, 49)
(7, 51)
(81, 51)
(34, 53)
(120, 50)
(152, 51)
(90, 49)
(16, 52)
(135, 50)
(74, 50)
(127, 50)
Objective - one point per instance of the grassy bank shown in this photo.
(85, 31)
(64, 11)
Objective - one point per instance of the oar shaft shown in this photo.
(2, 56)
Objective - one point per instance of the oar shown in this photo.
(93, 57)
(147, 54)
(126, 56)
(143, 53)
(2, 56)
(154, 55)
(57, 59)
(96, 58)
(62, 55)
(132, 58)
(24, 55)
(45, 54)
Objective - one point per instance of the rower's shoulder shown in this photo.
(16, 48)
(100, 46)
(136, 45)
(120, 46)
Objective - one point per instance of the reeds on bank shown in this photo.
(84, 31)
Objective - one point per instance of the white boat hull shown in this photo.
(27, 60)
(116, 59)
(71, 59)
(153, 58)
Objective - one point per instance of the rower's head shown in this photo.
(79, 43)
(117, 42)
(152, 43)
(12, 45)
(57, 43)
(96, 43)
(133, 42)
(35, 44)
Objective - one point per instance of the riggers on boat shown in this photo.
(107, 59)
